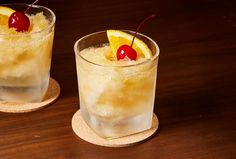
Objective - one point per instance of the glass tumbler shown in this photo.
(25, 59)
(116, 101)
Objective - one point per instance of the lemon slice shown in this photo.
(117, 38)
(5, 13)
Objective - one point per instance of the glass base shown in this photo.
(119, 126)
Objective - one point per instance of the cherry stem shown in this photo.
(31, 6)
(140, 25)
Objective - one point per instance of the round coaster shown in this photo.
(84, 132)
(52, 94)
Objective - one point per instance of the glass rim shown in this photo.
(117, 66)
(33, 6)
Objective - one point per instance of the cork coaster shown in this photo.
(52, 94)
(84, 132)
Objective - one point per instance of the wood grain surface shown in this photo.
(196, 86)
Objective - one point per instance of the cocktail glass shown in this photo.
(25, 59)
(116, 101)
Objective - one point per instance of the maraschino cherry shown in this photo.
(126, 50)
(19, 20)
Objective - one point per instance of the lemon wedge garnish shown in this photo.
(5, 13)
(117, 38)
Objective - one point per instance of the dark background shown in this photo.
(196, 85)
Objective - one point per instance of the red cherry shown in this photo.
(126, 50)
(19, 21)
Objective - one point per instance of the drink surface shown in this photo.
(116, 97)
(103, 56)
(25, 59)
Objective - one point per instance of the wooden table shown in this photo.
(196, 85)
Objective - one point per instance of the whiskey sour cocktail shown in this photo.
(116, 82)
(26, 40)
